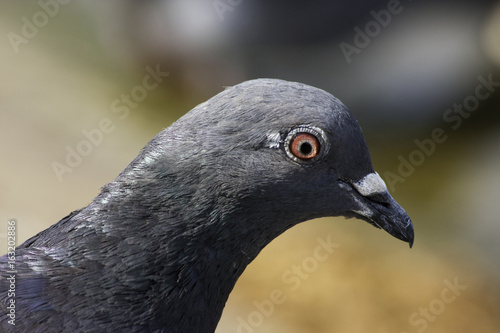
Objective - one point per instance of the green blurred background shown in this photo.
(63, 65)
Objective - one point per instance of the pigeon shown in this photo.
(162, 246)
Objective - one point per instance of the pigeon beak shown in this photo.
(376, 206)
(389, 216)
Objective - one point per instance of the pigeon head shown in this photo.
(267, 154)
(237, 171)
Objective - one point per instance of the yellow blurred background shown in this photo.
(405, 69)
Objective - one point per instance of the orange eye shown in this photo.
(304, 146)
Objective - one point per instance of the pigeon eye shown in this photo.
(304, 146)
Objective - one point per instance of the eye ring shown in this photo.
(306, 144)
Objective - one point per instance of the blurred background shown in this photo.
(405, 69)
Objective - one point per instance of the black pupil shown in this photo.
(305, 148)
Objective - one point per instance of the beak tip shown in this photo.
(410, 233)
(407, 232)
(403, 231)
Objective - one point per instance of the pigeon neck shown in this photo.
(195, 242)
(213, 260)
(191, 258)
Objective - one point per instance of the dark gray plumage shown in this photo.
(161, 247)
